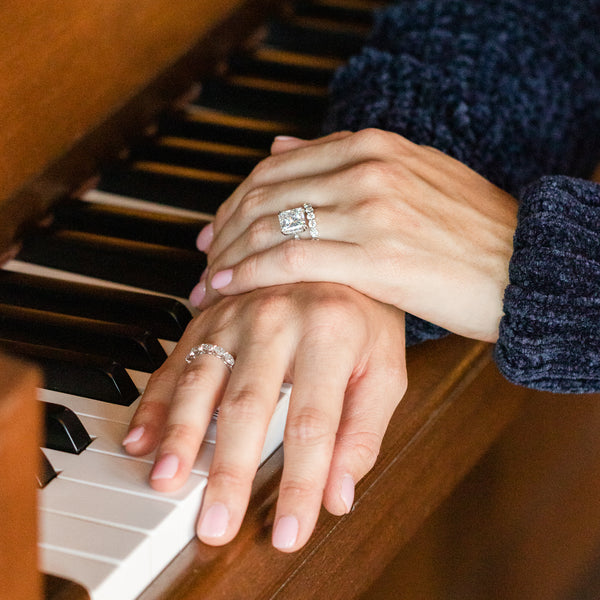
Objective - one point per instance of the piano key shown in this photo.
(96, 541)
(45, 471)
(164, 316)
(131, 346)
(126, 223)
(264, 98)
(78, 373)
(183, 188)
(147, 266)
(304, 37)
(63, 430)
(199, 154)
(273, 63)
(202, 123)
(355, 12)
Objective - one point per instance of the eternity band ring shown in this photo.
(212, 350)
(297, 220)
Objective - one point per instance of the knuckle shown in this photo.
(371, 175)
(294, 258)
(258, 231)
(364, 446)
(270, 310)
(243, 407)
(195, 377)
(251, 201)
(300, 489)
(229, 476)
(310, 427)
(184, 434)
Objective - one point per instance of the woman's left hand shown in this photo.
(402, 223)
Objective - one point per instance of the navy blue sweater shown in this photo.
(512, 89)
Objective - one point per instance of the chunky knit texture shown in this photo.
(550, 334)
(512, 89)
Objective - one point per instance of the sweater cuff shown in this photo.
(550, 333)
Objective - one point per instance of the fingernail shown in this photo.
(285, 533)
(214, 523)
(198, 293)
(205, 237)
(285, 138)
(347, 492)
(166, 467)
(221, 279)
(135, 435)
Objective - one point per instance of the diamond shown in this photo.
(293, 221)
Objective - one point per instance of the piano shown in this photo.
(128, 125)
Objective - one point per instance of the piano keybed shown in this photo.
(98, 298)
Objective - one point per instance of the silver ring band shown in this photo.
(212, 350)
(312, 221)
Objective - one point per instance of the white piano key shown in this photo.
(94, 540)
(129, 474)
(101, 578)
(92, 408)
(104, 505)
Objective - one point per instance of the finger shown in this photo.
(368, 407)
(330, 189)
(197, 393)
(243, 420)
(313, 416)
(283, 143)
(298, 261)
(304, 161)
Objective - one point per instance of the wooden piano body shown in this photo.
(482, 489)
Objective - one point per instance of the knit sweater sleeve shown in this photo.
(509, 87)
(550, 332)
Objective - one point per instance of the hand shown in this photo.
(344, 354)
(402, 223)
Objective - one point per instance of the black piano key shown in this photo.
(223, 128)
(270, 64)
(349, 14)
(131, 346)
(226, 159)
(298, 37)
(255, 98)
(189, 192)
(63, 430)
(77, 373)
(164, 316)
(149, 266)
(126, 223)
(45, 471)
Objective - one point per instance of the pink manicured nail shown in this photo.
(135, 435)
(214, 523)
(166, 467)
(285, 533)
(347, 492)
(285, 138)
(198, 293)
(205, 237)
(221, 279)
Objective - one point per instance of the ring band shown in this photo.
(312, 221)
(212, 350)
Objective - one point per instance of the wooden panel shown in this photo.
(66, 65)
(456, 405)
(19, 448)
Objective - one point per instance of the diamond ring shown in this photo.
(312, 221)
(212, 350)
(293, 221)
